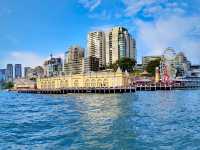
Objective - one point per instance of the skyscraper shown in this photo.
(96, 46)
(9, 72)
(18, 71)
(91, 64)
(53, 66)
(74, 59)
(2, 75)
(31, 73)
(182, 64)
(110, 46)
(119, 44)
(26, 70)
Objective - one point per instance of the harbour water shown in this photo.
(165, 120)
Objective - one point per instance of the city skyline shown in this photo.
(28, 38)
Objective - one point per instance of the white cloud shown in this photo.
(180, 32)
(172, 24)
(90, 4)
(153, 8)
(134, 6)
(26, 58)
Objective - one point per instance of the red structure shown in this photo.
(166, 78)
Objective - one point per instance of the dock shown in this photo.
(80, 90)
(104, 90)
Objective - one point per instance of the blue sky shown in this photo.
(31, 30)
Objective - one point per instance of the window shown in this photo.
(87, 83)
(93, 83)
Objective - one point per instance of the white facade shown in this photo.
(97, 47)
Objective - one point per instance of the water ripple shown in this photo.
(143, 120)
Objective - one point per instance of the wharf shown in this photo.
(131, 89)
(79, 90)
(154, 87)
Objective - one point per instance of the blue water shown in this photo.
(165, 120)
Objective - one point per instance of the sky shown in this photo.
(30, 30)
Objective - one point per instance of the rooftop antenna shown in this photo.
(51, 55)
(51, 73)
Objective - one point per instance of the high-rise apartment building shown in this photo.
(53, 67)
(182, 64)
(2, 75)
(110, 46)
(74, 59)
(119, 44)
(26, 70)
(18, 71)
(96, 45)
(91, 64)
(31, 73)
(9, 72)
(147, 59)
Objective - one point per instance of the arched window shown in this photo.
(87, 83)
(59, 84)
(105, 83)
(53, 84)
(49, 84)
(93, 83)
(99, 83)
(76, 83)
(62, 84)
(46, 85)
(66, 83)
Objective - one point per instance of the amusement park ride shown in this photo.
(168, 70)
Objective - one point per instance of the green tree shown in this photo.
(7, 85)
(151, 67)
(136, 72)
(124, 64)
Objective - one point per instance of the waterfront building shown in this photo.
(182, 64)
(24, 84)
(89, 80)
(2, 75)
(26, 70)
(9, 72)
(139, 67)
(147, 59)
(138, 70)
(91, 64)
(74, 59)
(194, 71)
(18, 71)
(53, 67)
(119, 44)
(96, 47)
(36, 72)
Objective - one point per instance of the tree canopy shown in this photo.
(124, 64)
(7, 85)
(151, 67)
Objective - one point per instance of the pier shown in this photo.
(105, 90)
(80, 90)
